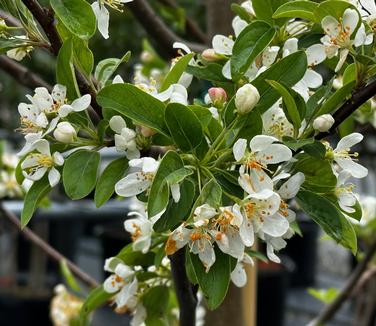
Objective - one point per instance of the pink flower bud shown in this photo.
(217, 95)
(210, 55)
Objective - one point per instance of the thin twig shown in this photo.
(350, 106)
(51, 252)
(21, 74)
(158, 30)
(184, 290)
(330, 310)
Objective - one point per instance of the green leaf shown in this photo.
(80, 173)
(297, 9)
(333, 8)
(211, 72)
(318, 173)
(336, 99)
(135, 258)
(327, 215)
(37, 192)
(77, 16)
(324, 295)
(96, 298)
(295, 144)
(247, 126)
(159, 192)
(107, 67)
(316, 149)
(84, 58)
(248, 45)
(241, 12)
(9, 44)
(110, 176)
(135, 104)
(176, 71)
(281, 72)
(211, 194)
(177, 212)
(264, 10)
(68, 276)
(290, 107)
(156, 302)
(65, 74)
(214, 284)
(185, 128)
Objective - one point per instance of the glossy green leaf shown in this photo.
(297, 9)
(184, 126)
(280, 71)
(65, 74)
(9, 44)
(159, 192)
(110, 176)
(155, 302)
(211, 72)
(327, 215)
(107, 67)
(80, 173)
(247, 127)
(211, 194)
(37, 192)
(176, 71)
(135, 104)
(77, 16)
(295, 144)
(96, 298)
(265, 9)
(214, 283)
(316, 149)
(68, 276)
(135, 258)
(248, 45)
(84, 58)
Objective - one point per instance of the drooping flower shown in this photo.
(140, 179)
(342, 156)
(38, 163)
(254, 163)
(125, 138)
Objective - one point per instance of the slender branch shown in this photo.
(158, 30)
(330, 310)
(46, 20)
(191, 26)
(350, 106)
(184, 290)
(9, 19)
(51, 252)
(21, 74)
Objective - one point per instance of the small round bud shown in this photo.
(210, 55)
(65, 133)
(217, 95)
(323, 123)
(246, 98)
(146, 131)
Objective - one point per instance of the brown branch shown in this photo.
(51, 252)
(191, 26)
(47, 21)
(158, 30)
(21, 74)
(350, 106)
(330, 310)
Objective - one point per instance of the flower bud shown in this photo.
(323, 123)
(146, 131)
(217, 95)
(65, 133)
(146, 57)
(246, 98)
(210, 55)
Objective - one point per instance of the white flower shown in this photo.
(9, 186)
(125, 138)
(323, 123)
(31, 118)
(141, 229)
(38, 163)
(275, 122)
(102, 14)
(274, 243)
(122, 282)
(65, 133)
(344, 192)
(246, 98)
(225, 231)
(342, 156)
(139, 180)
(176, 93)
(263, 151)
(239, 275)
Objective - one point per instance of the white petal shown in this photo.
(247, 233)
(350, 20)
(349, 141)
(182, 46)
(312, 79)
(239, 149)
(222, 44)
(270, 253)
(81, 103)
(290, 46)
(117, 124)
(149, 165)
(132, 185)
(65, 110)
(261, 142)
(291, 187)
(175, 192)
(43, 147)
(103, 18)
(274, 153)
(110, 285)
(53, 177)
(315, 54)
(330, 26)
(207, 255)
(226, 70)
(58, 159)
(342, 58)
(59, 93)
(275, 225)
(118, 80)
(269, 55)
(238, 25)
(239, 276)
(355, 169)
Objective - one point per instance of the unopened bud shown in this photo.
(210, 55)
(146, 131)
(217, 95)
(246, 98)
(323, 123)
(65, 133)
